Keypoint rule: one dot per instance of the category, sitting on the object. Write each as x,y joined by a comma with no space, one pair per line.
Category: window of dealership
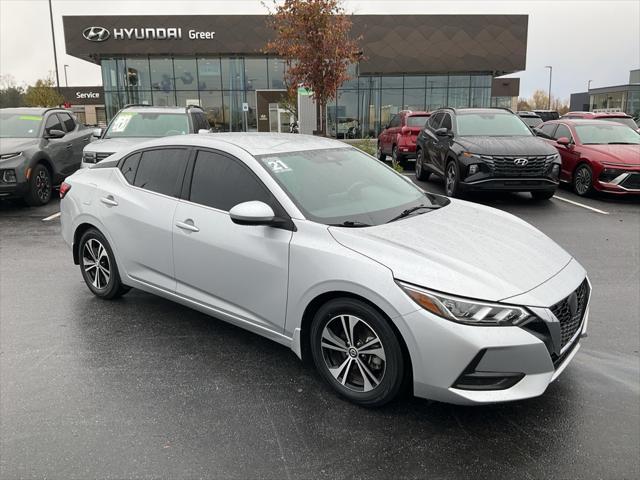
222,84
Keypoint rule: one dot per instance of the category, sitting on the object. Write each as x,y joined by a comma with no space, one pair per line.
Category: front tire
421,173
452,180
542,194
396,157
583,180
357,352
40,189
98,266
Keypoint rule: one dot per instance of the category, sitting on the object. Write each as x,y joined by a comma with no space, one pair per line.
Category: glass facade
220,85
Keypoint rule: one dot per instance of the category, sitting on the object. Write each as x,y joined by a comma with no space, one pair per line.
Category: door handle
108,200
188,225
69,146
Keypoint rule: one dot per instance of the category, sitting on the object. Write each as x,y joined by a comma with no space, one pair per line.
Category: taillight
405,130
64,188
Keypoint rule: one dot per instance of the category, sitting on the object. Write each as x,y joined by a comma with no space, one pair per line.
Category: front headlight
89,157
477,156
470,312
6,156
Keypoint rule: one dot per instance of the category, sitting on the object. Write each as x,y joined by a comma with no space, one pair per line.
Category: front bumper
627,183
20,187
444,353
510,184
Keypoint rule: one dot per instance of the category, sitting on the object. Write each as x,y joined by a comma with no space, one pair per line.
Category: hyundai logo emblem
521,162
96,34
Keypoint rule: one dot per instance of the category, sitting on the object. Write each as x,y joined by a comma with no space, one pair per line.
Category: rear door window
161,170
130,166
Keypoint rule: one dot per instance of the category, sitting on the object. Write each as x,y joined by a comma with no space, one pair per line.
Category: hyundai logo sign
96,34
521,162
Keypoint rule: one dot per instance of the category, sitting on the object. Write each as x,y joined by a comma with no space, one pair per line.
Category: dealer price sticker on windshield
276,165
120,123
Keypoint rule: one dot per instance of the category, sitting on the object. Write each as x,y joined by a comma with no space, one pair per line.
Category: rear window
417,120
532,121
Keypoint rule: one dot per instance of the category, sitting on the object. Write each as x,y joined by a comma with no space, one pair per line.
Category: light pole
550,73
55,54
66,80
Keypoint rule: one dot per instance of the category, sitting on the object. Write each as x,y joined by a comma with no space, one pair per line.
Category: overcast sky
582,39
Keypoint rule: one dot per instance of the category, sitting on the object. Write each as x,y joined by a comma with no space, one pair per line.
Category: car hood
522,146
620,154
463,249
14,145
113,145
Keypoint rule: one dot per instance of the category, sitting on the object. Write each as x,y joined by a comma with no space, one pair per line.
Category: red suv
619,117
398,138
596,155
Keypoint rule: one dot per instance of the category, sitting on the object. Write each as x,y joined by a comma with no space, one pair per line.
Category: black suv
39,147
486,149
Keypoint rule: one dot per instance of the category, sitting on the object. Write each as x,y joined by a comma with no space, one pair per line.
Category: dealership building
416,62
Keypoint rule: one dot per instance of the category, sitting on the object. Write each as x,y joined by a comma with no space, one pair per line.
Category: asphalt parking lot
145,388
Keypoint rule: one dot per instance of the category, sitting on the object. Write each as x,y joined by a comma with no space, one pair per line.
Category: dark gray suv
39,147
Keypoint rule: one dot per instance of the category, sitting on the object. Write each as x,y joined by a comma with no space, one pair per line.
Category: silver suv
137,123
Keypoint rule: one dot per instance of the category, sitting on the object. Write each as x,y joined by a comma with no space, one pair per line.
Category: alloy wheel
96,263
43,185
419,164
353,353
450,179
582,181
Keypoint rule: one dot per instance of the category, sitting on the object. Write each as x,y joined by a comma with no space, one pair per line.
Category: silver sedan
324,249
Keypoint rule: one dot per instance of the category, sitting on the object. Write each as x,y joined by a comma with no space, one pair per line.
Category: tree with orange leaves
313,37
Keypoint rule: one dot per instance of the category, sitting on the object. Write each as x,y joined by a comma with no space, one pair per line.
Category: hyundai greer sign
102,34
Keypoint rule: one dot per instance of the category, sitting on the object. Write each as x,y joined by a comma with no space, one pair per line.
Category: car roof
154,109
601,114
483,110
31,110
255,143
580,121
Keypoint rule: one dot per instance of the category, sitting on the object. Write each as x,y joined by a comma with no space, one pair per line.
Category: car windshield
491,124
606,133
345,186
19,125
628,121
417,120
142,124
532,121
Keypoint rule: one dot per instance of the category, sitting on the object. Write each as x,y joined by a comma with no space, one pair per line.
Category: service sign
83,95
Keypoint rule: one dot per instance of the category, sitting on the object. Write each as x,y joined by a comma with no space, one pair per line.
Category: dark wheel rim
96,264
419,164
583,180
353,353
379,150
450,181
43,185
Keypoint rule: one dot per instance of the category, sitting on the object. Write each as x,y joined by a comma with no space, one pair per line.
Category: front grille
507,167
570,312
632,181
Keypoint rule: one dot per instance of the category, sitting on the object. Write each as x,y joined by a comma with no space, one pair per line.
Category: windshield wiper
350,223
409,211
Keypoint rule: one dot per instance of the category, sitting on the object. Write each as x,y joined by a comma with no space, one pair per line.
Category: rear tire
40,189
98,266
357,352
421,173
396,157
583,180
381,156
542,194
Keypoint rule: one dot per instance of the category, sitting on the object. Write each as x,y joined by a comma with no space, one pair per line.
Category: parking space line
51,217
581,205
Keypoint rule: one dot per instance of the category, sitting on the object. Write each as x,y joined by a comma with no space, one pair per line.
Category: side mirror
563,141
443,132
54,133
97,132
204,130
252,213
385,127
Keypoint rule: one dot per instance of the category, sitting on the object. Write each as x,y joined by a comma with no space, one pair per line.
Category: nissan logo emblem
521,162
96,34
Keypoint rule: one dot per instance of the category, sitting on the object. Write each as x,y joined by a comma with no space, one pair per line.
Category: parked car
531,119
398,138
137,123
345,127
596,155
618,117
486,149
322,248
39,147
547,115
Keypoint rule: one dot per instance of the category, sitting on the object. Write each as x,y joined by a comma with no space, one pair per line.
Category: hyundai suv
137,123
398,138
486,149
39,147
